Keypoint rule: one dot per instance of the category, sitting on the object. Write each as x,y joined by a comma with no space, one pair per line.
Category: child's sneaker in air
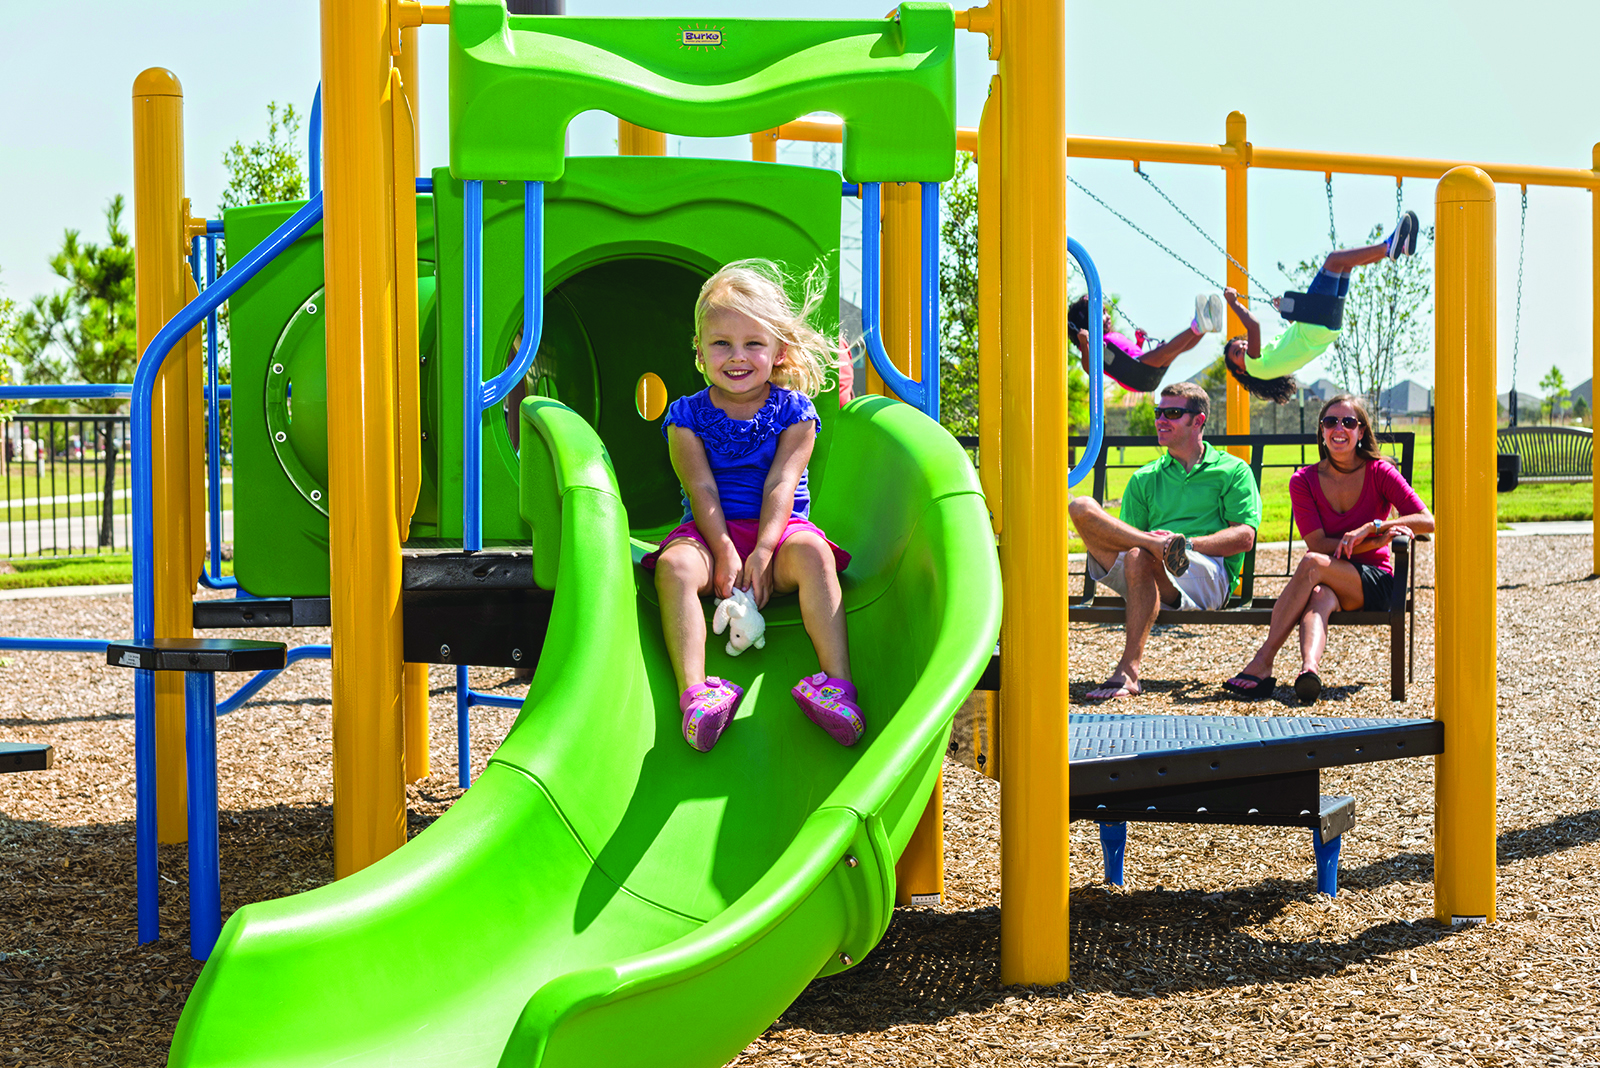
707,710
831,704
1210,313
1403,242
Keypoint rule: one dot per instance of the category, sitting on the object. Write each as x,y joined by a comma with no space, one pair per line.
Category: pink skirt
744,532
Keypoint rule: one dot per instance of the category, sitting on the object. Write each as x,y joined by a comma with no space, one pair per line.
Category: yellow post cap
1466,184
157,81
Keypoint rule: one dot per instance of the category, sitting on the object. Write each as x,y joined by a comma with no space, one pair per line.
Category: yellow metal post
1033,555
160,277
1464,450
1238,184
989,226
764,146
369,799
919,875
637,141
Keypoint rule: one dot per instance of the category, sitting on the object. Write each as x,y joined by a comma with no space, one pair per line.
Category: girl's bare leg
1164,353
1346,260
683,573
1314,627
805,563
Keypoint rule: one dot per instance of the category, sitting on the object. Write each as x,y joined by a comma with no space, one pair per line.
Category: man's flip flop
1262,687
1308,687
1176,554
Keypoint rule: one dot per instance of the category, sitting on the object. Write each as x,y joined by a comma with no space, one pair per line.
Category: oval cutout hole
650,396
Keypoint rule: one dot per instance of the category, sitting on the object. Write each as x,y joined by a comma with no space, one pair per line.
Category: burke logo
712,38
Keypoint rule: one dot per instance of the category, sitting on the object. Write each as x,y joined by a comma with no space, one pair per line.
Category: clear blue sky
1463,80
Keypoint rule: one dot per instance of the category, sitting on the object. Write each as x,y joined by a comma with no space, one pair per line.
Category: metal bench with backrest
1289,451
1550,453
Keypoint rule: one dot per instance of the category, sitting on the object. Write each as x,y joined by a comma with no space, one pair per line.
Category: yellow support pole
990,451
160,225
369,799
919,875
764,146
1238,186
407,163
637,141
1594,304
1464,450
1034,794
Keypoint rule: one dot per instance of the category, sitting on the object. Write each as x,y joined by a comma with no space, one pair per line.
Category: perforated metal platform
1116,753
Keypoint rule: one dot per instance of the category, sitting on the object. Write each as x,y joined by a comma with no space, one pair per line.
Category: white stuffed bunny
739,616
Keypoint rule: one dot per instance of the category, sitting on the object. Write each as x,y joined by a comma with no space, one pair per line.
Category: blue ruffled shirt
741,451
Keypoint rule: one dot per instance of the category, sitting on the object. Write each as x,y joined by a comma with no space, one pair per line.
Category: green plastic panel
628,242
516,81
278,362
605,895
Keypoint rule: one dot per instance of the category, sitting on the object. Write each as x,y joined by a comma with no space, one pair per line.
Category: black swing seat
1319,308
1130,373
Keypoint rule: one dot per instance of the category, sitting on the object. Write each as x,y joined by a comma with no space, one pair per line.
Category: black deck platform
19,756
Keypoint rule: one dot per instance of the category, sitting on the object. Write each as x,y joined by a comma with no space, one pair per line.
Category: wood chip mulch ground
1218,951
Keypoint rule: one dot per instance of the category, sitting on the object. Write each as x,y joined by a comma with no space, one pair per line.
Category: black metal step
263,612
21,756
197,654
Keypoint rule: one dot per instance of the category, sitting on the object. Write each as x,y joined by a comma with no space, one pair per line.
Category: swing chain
1333,235
1143,233
1254,281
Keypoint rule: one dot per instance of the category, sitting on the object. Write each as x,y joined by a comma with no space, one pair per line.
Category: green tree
1554,385
1142,417
267,171
958,311
1386,318
85,332
1580,409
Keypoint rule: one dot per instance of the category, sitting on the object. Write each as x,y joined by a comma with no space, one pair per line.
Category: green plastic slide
605,895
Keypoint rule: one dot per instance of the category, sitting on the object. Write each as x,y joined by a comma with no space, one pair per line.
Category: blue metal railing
144,382
314,145
212,577
466,699
261,678
477,395
923,395
1097,402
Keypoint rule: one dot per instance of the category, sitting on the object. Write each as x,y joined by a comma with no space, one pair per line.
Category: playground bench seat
1549,453
25,756
1245,608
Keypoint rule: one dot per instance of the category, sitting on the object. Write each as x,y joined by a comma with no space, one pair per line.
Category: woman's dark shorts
1376,587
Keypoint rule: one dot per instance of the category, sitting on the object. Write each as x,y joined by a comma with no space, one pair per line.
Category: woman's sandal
1308,687
1176,555
1262,687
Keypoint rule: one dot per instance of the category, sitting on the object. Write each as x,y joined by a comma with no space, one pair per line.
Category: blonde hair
760,289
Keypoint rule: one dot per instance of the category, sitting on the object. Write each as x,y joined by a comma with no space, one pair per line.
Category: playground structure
844,826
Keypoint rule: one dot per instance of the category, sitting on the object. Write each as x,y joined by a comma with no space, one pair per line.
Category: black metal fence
67,483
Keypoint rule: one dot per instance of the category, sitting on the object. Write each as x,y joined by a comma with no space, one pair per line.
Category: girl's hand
725,568
756,575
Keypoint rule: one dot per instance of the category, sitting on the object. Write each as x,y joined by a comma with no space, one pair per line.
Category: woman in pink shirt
1349,506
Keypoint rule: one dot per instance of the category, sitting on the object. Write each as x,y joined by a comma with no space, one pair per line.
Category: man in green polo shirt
1188,518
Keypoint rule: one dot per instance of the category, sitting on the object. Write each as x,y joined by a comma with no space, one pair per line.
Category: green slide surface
605,895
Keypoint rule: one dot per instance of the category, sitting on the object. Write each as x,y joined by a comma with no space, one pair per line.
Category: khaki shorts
1204,585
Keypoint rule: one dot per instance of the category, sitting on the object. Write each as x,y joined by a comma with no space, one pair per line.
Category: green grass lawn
1527,503
105,569
69,482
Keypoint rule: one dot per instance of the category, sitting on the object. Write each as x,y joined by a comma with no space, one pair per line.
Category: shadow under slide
604,894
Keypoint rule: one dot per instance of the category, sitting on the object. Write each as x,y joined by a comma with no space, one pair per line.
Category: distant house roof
1586,391
1323,388
1407,397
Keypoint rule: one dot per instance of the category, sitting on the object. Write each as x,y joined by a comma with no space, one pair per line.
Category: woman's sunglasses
1349,422
1173,414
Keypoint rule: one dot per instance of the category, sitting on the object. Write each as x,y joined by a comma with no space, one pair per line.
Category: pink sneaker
831,705
707,710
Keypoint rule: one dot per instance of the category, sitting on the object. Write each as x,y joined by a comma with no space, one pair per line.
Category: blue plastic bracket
1114,847
1327,854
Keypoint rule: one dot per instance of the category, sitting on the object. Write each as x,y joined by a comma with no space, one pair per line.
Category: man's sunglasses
1349,422
1172,415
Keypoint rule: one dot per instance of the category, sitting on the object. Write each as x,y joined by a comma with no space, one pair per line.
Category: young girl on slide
1125,360
1268,372
740,448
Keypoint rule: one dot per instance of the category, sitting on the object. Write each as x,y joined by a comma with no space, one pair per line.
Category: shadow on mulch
933,965
1208,694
